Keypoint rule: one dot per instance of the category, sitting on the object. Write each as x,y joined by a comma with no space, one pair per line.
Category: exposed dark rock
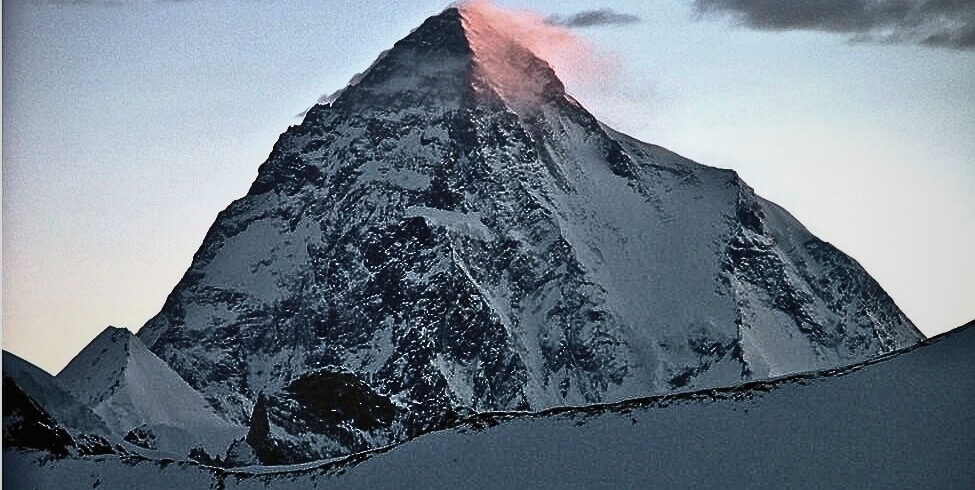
143,437
26,425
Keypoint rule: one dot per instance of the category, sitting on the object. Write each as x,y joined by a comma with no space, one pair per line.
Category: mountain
142,400
453,233
48,393
904,420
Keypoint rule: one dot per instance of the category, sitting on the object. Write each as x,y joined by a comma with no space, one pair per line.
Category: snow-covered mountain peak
503,59
92,374
137,394
426,245
466,55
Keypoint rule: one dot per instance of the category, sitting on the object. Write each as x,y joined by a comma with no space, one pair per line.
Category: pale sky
128,125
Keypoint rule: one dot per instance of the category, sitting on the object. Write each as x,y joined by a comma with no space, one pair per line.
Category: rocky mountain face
444,237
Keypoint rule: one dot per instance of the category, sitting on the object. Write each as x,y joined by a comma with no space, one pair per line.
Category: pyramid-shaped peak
422,238
466,54
112,334
93,373
128,386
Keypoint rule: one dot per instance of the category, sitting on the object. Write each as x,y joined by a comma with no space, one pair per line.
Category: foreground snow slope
904,421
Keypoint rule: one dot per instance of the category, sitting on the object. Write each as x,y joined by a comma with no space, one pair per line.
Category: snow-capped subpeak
130,388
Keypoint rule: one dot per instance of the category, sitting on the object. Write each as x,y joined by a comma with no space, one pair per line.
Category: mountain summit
453,60
453,233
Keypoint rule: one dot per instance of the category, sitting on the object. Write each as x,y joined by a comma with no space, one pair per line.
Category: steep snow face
52,397
130,388
901,421
427,239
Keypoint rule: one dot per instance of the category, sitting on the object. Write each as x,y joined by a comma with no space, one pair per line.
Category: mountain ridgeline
438,240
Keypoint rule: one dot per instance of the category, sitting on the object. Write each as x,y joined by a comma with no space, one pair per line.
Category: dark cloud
944,23
590,18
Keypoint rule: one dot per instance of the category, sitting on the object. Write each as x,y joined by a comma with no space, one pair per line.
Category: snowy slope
129,387
55,399
445,241
27,426
903,421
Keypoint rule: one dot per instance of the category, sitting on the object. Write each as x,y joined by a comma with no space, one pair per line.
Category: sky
129,124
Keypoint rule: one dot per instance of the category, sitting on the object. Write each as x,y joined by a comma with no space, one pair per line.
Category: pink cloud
499,34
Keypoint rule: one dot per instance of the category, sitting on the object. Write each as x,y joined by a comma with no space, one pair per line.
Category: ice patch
469,225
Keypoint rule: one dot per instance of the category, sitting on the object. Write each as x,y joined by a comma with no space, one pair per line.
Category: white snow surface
902,421
469,225
128,386
47,391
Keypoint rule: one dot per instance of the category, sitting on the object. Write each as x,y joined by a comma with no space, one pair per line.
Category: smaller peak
17,367
114,334
109,350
